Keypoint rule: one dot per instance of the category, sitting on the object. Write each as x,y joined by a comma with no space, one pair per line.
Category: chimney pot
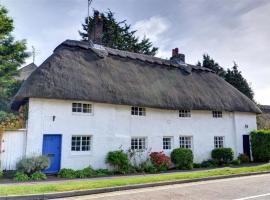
96,31
177,57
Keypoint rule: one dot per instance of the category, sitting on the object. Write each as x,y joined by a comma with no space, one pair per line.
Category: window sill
80,153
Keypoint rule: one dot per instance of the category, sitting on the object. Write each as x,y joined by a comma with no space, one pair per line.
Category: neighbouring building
263,119
86,100
25,72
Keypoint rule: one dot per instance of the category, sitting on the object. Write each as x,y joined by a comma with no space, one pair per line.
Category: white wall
12,148
112,126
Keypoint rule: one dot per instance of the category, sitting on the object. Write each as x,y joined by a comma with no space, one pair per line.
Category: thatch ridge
79,71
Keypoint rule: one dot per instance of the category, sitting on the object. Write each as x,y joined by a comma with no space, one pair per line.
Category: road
243,188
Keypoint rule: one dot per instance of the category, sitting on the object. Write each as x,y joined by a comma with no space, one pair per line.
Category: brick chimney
95,30
177,57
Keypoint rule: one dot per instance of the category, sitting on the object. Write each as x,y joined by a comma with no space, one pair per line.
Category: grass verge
41,188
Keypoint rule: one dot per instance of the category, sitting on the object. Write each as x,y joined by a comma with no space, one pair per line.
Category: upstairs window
167,143
138,143
140,111
81,143
185,142
81,108
219,142
217,114
184,113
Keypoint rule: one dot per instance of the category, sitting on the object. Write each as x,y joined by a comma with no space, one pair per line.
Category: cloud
153,27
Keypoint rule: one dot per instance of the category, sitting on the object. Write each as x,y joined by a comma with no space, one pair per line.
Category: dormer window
81,108
140,111
184,113
217,114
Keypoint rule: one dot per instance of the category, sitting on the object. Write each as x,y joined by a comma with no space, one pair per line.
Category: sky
228,30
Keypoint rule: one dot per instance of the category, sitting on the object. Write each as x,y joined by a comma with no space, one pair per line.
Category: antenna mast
33,53
88,12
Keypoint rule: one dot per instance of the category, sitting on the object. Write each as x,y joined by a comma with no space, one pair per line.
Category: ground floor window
81,143
185,142
138,143
219,141
167,143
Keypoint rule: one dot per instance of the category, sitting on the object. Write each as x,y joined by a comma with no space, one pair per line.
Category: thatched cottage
86,100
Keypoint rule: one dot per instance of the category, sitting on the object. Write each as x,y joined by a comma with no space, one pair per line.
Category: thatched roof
79,71
25,72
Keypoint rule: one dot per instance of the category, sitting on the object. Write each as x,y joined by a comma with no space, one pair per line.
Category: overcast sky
228,30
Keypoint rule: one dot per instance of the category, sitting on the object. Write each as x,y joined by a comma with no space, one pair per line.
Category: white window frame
217,114
170,146
81,145
184,143
81,108
184,113
218,140
138,111
136,146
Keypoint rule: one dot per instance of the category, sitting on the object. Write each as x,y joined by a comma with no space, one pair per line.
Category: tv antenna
88,10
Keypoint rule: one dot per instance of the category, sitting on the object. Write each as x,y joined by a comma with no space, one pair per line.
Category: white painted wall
112,126
12,148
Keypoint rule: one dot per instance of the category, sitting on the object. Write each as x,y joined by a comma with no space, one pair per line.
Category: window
138,143
140,111
184,113
81,143
81,108
217,114
167,143
219,142
185,142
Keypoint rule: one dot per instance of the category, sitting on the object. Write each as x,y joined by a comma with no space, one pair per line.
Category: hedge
260,144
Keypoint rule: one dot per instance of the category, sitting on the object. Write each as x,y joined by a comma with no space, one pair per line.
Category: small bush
103,172
182,158
209,163
67,173
236,162
222,155
119,160
243,158
160,161
33,164
197,165
38,176
147,166
85,173
20,176
1,174
260,143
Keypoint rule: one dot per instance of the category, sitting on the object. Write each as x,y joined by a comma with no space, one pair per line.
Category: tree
119,35
209,63
232,76
12,55
235,78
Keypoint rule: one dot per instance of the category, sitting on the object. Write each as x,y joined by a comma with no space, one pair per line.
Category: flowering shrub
160,160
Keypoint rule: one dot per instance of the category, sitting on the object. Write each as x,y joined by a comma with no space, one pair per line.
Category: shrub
160,160
119,160
33,164
182,158
209,163
236,162
38,176
1,174
222,155
197,165
103,172
20,176
147,166
260,143
85,173
67,173
243,158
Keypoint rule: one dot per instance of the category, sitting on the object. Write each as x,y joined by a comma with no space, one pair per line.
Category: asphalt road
243,188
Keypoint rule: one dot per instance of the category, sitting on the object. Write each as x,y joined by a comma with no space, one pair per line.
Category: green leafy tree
235,78
232,76
12,55
119,35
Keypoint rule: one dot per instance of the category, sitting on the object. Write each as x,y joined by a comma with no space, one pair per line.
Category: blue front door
52,149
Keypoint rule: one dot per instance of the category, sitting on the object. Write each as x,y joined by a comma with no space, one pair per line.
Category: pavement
255,187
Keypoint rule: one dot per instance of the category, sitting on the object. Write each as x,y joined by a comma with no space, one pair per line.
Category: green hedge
260,143
222,155
182,158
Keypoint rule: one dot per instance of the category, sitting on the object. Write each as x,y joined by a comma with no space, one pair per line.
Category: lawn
41,188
